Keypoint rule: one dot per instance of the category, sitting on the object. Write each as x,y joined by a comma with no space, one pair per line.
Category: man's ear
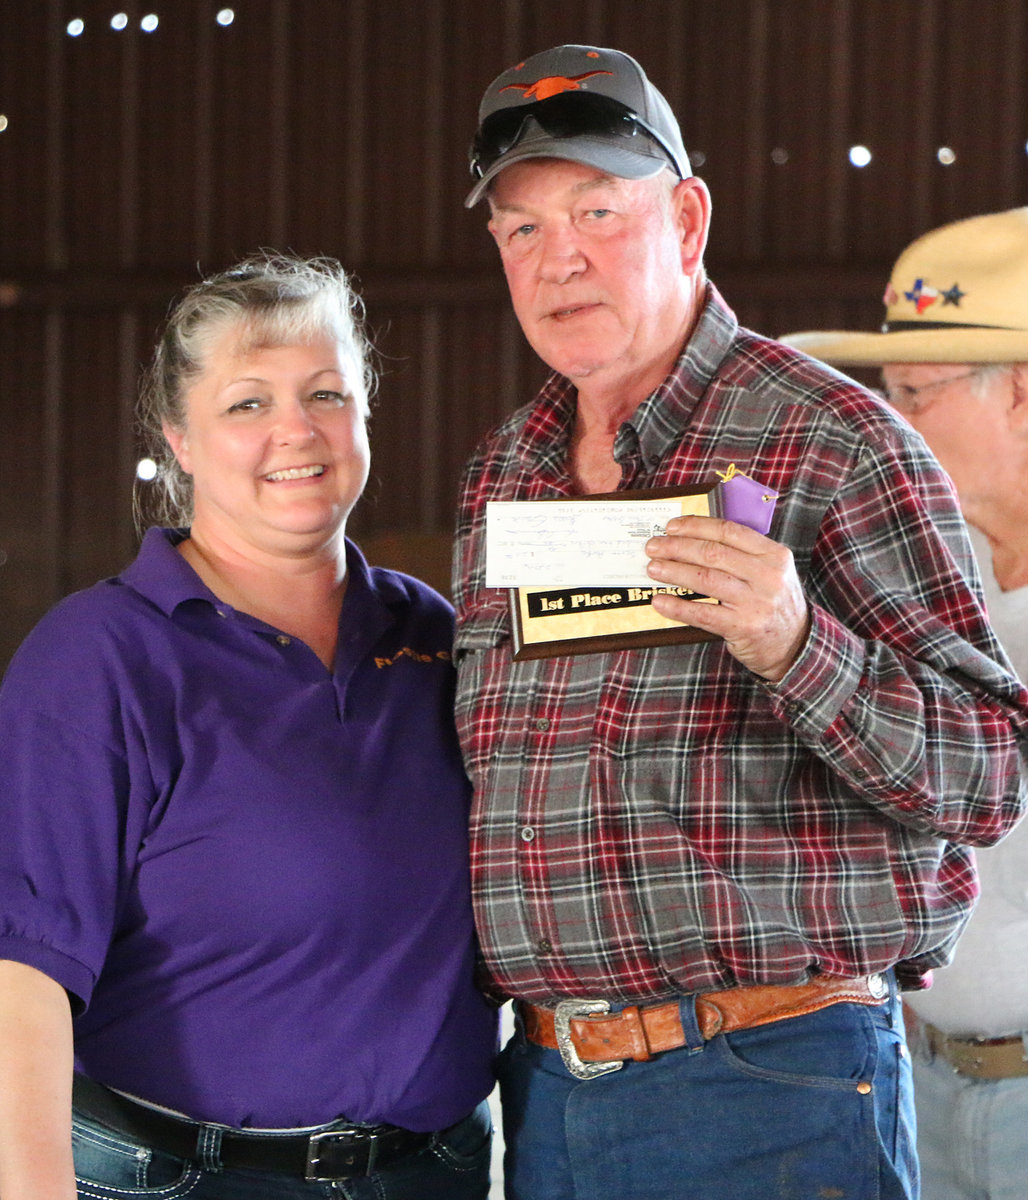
178,440
691,202
1017,413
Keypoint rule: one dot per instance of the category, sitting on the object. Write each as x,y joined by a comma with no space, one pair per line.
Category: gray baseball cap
584,103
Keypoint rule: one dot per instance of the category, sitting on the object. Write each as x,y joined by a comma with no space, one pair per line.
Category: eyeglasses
571,114
905,398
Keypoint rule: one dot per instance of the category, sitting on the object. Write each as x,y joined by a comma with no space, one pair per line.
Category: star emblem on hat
953,296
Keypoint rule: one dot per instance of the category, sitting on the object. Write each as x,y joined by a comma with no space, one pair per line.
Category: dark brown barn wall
133,160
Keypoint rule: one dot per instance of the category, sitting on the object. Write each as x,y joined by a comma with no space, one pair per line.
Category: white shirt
984,991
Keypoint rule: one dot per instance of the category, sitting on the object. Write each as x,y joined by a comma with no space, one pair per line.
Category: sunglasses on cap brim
569,115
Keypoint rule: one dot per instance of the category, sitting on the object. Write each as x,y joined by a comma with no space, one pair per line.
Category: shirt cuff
818,685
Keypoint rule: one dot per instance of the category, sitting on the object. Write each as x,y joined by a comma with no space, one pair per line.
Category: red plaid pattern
656,821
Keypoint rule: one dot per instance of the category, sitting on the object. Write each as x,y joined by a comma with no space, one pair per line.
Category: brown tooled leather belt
592,1040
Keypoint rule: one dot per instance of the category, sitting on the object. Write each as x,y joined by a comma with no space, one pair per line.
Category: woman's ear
178,440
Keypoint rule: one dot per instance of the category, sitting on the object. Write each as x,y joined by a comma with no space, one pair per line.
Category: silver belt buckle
359,1159
562,1017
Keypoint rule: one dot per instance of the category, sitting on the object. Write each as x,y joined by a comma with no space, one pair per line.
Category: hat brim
593,152
937,345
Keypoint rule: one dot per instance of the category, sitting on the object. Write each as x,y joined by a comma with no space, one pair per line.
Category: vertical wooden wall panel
1009,164
29,94
30,481
94,179
196,104
95,490
166,207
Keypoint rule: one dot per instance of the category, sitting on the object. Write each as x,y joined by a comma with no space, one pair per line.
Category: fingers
762,612
717,558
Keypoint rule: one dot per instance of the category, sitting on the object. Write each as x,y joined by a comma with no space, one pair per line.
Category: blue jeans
809,1108
110,1166
971,1133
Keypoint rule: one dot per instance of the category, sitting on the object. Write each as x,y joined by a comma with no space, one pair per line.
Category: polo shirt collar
161,575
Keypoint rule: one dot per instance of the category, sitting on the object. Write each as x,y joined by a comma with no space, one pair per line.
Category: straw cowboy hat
958,294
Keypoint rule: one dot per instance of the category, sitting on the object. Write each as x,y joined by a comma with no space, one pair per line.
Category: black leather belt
330,1152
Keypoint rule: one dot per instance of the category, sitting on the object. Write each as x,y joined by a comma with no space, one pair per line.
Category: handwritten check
556,543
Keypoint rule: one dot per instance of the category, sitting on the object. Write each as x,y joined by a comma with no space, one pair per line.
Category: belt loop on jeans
694,1039
208,1148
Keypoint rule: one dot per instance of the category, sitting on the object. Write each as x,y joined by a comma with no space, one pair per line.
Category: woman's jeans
109,1166
816,1107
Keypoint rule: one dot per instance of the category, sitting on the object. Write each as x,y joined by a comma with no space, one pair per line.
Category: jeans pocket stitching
838,1083
105,1140
181,1187
461,1162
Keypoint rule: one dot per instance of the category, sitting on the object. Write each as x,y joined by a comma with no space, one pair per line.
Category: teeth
295,473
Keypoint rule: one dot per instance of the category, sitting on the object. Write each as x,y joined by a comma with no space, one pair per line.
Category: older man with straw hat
954,357
953,352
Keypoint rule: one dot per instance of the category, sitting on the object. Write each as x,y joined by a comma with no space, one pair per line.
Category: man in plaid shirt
702,870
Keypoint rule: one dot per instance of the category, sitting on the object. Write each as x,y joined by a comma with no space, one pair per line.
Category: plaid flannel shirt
654,821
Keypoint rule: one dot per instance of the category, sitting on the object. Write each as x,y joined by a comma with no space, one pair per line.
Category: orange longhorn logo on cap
551,85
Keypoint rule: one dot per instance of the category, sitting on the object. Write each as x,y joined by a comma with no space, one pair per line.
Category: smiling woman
263,303
250,731
256,407
274,440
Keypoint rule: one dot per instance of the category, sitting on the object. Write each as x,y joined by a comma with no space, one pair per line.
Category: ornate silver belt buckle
877,986
562,1017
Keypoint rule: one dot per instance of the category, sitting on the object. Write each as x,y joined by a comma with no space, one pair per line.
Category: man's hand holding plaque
761,611
620,570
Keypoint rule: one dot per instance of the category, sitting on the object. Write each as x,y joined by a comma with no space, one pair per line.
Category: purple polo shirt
249,873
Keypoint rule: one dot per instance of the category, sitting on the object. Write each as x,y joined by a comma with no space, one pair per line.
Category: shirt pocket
482,656
486,626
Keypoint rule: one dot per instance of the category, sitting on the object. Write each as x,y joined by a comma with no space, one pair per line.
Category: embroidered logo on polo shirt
413,655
